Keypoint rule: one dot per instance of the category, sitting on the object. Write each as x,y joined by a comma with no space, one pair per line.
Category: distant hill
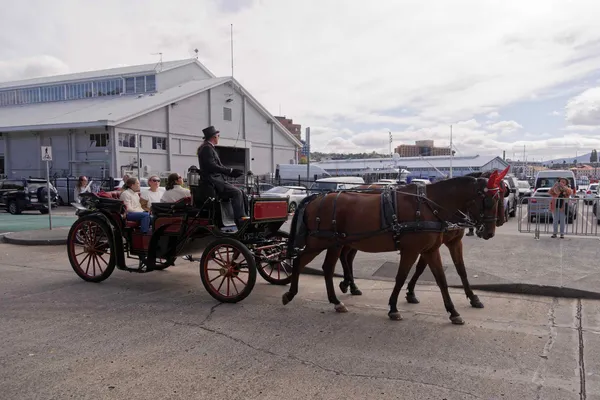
584,158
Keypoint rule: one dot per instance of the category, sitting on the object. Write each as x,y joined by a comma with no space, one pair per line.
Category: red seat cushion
133,224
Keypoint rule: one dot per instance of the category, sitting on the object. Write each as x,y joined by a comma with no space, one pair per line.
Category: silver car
295,194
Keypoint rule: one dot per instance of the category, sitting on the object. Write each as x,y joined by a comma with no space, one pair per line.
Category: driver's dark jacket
211,168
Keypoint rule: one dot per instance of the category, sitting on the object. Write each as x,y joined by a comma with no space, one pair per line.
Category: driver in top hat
212,170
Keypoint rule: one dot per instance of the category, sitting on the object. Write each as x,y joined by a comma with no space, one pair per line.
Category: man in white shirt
174,190
131,199
153,195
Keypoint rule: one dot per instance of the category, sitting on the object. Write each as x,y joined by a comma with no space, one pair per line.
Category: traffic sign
46,153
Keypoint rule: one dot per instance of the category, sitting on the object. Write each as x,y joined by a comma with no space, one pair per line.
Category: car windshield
593,187
524,185
549,182
324,186
278,189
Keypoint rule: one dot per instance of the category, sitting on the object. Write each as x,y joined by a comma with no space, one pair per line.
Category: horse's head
487,206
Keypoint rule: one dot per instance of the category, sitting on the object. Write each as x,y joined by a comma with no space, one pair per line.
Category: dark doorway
1,165
232,157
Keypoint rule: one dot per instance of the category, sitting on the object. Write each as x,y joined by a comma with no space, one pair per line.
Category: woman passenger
135,212
174,192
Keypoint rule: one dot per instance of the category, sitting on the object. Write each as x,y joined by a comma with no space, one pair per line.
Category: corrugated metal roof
108,110
408,162
104,73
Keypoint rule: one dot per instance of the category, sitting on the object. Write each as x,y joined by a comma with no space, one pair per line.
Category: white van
336,183
547,179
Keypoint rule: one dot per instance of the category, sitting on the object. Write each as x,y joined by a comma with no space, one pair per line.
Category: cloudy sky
503,73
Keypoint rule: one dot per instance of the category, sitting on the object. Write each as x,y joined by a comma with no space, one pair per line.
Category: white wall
218,97
177,76
258,130
156,121
190,116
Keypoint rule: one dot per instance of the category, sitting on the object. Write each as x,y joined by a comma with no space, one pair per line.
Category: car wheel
13,208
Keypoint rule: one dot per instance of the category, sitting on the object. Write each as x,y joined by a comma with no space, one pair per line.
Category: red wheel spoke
215,278
78,254
223,280
228,281
235,287
238,278
88,266
220,261
84,258
103,260
96,257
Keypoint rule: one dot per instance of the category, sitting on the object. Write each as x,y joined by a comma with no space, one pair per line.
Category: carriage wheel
272,264
91,249
228,270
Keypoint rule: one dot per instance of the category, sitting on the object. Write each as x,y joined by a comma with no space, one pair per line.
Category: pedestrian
80,187
560,193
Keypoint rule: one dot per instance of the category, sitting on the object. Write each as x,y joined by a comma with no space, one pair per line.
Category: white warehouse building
93,121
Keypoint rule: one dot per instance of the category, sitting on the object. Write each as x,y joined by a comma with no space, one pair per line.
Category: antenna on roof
231,34
196,51
160,62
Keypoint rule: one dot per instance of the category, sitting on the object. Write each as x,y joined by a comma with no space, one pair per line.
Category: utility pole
307,155
390,143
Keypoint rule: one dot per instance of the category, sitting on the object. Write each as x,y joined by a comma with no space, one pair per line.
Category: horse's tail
298,230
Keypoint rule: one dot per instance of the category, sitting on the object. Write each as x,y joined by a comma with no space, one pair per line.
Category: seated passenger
135,212
153,195
174,192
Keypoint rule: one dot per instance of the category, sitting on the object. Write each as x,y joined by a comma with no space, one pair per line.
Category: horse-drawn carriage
102,239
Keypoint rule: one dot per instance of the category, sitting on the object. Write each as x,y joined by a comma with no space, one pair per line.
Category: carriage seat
169,208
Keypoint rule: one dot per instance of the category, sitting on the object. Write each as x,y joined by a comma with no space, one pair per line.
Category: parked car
538,207
295,193
591,193
17,195
524,189
336,183
513,196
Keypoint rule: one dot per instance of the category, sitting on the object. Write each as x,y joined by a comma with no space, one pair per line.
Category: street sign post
47,156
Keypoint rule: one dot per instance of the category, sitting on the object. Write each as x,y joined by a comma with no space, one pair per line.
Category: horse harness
389,219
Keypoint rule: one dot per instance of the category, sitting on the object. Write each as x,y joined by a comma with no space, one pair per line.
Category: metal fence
581,216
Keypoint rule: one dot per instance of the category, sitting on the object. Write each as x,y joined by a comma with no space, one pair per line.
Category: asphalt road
160,336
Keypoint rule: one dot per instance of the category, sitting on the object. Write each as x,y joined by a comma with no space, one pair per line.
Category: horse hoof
411,298
395,316
285,299
356,292
343,287
476,303
457,320
341,308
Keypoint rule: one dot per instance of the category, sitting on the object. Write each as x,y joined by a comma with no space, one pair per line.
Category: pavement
511,262
161,336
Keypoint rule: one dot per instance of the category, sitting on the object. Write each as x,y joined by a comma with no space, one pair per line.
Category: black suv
18,195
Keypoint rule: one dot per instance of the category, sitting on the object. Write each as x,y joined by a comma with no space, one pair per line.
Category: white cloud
555,113
31,67
325,64
505,127
584,109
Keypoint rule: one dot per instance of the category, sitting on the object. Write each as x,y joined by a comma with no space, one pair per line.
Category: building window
159,143
99,139
150,83
127,140
227,114
129,85
140,84
53,93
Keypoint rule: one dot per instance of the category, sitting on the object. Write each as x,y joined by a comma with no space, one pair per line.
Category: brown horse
452,240
410,219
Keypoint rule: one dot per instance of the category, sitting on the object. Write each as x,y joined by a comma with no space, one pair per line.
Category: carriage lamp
193,177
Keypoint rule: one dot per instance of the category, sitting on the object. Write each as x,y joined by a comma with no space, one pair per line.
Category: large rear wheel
91,249
272,261
228,270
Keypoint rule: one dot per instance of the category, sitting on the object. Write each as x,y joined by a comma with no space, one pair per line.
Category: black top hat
209,132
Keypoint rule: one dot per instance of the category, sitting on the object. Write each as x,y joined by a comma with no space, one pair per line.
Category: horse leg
456,252
410,290
346,265
347,260
407,259
434,259
333,254
297,265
